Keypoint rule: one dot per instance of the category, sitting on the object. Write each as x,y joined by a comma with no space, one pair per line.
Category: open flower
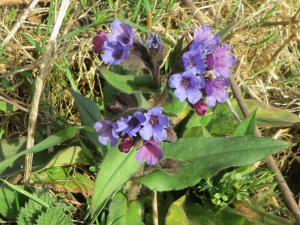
131,125
122,33
154,41
210,41
220,62
200,108
114,53
155,125
98,41
216,91
194,58
149,151
107,132
187,85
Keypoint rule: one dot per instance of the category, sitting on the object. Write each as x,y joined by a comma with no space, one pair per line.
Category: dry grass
277,86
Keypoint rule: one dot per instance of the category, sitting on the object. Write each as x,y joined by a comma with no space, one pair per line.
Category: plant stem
136,184
154,208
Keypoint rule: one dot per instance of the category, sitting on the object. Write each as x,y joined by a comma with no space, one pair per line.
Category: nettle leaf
125,212
59,178
247,127
130,83
89,115
116,169
49,142
54,216
204,157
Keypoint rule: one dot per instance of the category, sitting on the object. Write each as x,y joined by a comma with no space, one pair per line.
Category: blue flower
114,53
210,41
194,58
122,33
107,132
155,125
216,91
149,151
187,85
131,125
154,41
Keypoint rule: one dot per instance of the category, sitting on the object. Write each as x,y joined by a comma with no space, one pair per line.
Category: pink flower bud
200,108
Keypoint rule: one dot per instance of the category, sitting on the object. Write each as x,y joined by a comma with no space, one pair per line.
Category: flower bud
125,145
200,108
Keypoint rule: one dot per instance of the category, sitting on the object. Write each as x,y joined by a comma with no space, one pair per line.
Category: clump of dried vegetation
261,28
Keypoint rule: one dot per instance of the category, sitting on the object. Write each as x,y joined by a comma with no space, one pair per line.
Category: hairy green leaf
115,170
130,83
247,127
204,157
54,216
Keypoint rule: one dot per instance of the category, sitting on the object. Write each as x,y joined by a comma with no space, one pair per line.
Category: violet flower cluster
205,53
150,126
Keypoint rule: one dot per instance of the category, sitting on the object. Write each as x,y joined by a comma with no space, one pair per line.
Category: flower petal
174,81
146,132
159,134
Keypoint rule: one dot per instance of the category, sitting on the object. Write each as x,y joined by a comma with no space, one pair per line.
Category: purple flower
194,58
216,91
154,125
122,33
154,41
200,108
210,41
125,145
149,151
187,86
98,41
107,132
131,125
114,53
220,62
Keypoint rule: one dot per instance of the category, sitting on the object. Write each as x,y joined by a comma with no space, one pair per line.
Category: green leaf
89,115
115,170
204,157
29,195
54,216
31,41
196,132
70,156
59,178
49,142
32,209
225,31
255,213
127,213
183,211
129,84
176,52
247,127
8,206
223,122
142,102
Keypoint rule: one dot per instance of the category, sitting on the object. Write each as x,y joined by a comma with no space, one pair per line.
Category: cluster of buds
194,80
201,70
150,126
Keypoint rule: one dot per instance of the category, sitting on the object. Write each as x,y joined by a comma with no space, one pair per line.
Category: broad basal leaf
59,178
115,170
204,157
49,142
130,83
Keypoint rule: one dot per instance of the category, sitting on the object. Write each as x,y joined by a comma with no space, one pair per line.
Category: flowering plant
160,116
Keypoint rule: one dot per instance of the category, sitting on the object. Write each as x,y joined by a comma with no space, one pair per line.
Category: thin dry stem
44,71
197,15
154,208
19,23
